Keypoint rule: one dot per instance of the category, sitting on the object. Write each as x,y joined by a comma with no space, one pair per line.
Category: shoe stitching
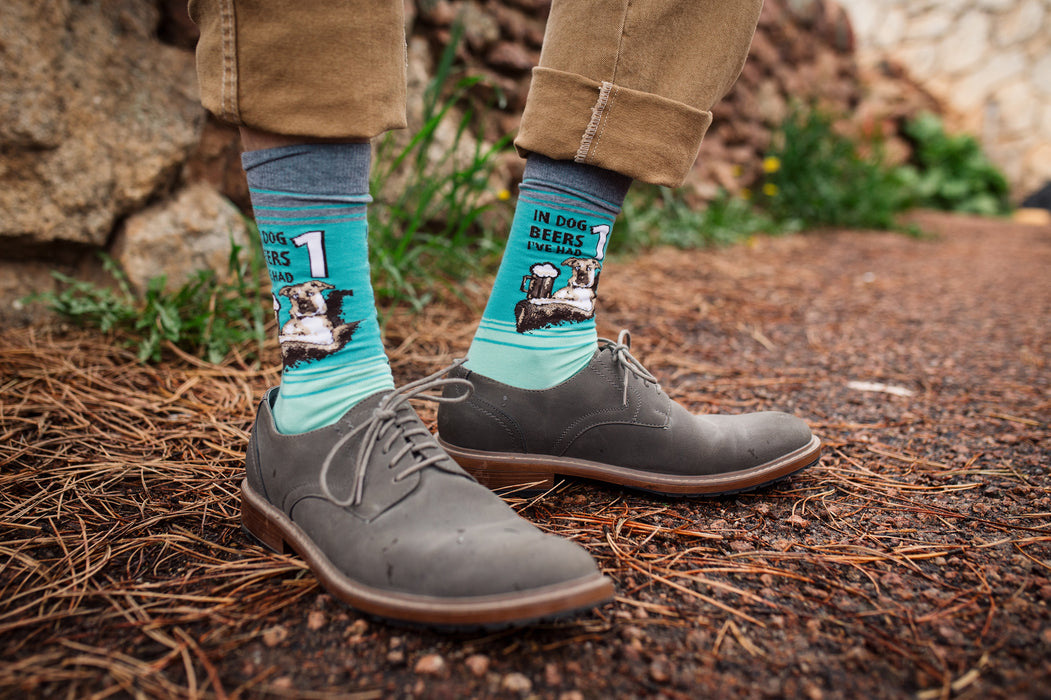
394,413
228,100
622,358
591,130
503,420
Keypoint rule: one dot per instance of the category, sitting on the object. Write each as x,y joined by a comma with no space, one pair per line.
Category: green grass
207,317
817,178
951,172
430,233
654,216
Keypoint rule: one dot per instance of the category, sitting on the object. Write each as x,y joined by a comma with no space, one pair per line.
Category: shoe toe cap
499,561
459,553
755,439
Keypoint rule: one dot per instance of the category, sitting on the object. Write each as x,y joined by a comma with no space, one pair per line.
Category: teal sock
538,328
310,205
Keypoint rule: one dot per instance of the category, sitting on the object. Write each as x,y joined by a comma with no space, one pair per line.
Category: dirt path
914,561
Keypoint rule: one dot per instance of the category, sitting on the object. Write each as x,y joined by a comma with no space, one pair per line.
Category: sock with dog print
537,329
309,203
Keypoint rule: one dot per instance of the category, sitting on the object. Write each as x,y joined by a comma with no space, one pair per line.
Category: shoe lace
390,413
621,349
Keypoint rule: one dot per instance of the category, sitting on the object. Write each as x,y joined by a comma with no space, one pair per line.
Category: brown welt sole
275,530
498,470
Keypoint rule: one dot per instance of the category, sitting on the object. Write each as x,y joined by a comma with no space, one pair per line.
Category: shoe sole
270,526
537,473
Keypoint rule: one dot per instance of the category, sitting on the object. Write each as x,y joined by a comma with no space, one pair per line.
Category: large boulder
176,238
96,118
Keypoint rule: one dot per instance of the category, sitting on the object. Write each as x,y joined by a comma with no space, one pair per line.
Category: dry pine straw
886,570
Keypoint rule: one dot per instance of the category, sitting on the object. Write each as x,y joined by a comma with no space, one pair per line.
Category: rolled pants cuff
306,68
644,136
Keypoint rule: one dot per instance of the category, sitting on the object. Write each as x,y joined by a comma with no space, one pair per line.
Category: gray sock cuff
310,168
606,185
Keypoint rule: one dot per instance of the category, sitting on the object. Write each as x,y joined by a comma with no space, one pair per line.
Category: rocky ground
913,561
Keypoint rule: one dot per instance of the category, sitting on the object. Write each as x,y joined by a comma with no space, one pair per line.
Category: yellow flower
770,189
746,193
771,164
503,195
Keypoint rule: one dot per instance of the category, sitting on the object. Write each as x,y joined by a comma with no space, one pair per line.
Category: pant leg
311,68
628,85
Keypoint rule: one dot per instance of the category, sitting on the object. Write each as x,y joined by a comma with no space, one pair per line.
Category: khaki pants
626,85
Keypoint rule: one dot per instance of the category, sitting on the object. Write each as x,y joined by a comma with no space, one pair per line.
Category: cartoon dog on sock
570,304
583,284
316,328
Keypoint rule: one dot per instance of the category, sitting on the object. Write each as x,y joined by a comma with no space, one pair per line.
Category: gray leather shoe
612,422
396,529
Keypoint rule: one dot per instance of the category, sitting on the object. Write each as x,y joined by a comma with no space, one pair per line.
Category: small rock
479,27
358,628
315,620
950,634
571,695
632,632
516,683
275,635
396,657
659,670
478,664
440,13
741,546
282,683
932,594
180,237
512,56
697,639
430,665
552,676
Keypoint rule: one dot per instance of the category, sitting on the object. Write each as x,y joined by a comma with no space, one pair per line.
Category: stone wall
803,52
99,122
989,59
104,147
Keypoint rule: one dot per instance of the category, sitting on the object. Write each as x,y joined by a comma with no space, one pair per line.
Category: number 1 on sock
603,233
315,243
